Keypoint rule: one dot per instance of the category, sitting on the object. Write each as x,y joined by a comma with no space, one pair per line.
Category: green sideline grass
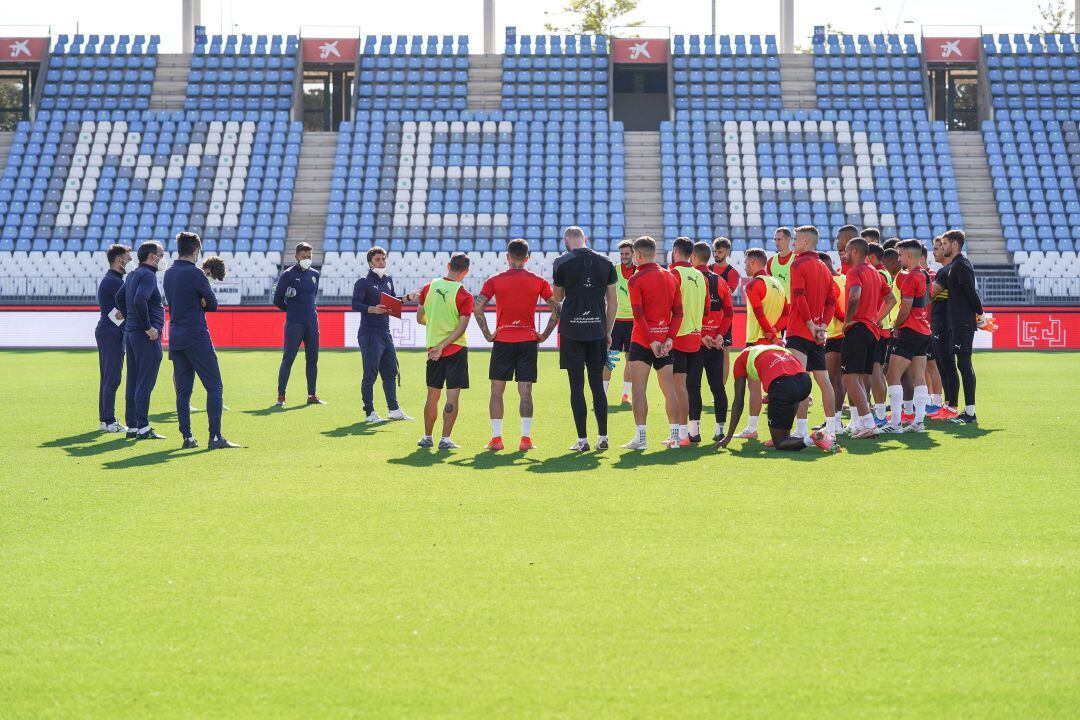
334,570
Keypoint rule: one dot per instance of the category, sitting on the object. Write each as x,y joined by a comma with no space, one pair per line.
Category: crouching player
781,376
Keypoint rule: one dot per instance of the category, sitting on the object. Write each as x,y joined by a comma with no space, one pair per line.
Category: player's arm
853,298
936,291
966,280
143,290
120,301
421,317
755,295
736,410
481,303
465,309
905,310
829,311
207,297
886,307
279,290
553,318
612,299
800,307
838,313
727,313
675,324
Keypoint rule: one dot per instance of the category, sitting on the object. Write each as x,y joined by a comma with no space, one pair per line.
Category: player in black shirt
584,282
964,309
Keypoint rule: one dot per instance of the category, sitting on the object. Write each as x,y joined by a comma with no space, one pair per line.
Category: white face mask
379,271
305,263
131,265
162,264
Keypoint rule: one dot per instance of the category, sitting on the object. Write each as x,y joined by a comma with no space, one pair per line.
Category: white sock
674,431
751,423
598,438
606,383
935,399
808,441
719,432
581,440
526,427
909,406
427,437
921,398
855,421
496,427
838,420
684,432
831,423
969,409
694,427
801,427
445,438
879,411
641,433
626,388
896,400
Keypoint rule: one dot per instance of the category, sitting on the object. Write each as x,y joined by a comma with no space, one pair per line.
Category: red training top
727,273
782,261
755,295
770,365
464,301
811,294
872,286
913,285
717,320
657,303
516,292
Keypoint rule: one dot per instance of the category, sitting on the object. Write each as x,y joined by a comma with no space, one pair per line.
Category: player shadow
754,450
274,410
152,458
422,458
964,431
495,461
162,417
569,463
355,430
70,440
633,459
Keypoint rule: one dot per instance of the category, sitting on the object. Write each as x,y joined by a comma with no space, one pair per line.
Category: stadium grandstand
424,146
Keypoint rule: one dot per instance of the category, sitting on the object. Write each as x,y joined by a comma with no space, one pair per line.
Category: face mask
379,271
162,264
305,263
130,266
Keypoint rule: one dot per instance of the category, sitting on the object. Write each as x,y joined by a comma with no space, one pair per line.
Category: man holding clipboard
374,296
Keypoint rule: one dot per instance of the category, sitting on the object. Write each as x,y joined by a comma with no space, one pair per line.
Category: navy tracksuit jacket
295,293
110,345
140,302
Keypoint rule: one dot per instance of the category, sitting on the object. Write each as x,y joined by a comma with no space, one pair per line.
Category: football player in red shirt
515,342
710,359
911,339
843,236
812,309
657,303
865,288
933,377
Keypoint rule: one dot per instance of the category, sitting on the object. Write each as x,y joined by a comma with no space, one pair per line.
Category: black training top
584,276
964,302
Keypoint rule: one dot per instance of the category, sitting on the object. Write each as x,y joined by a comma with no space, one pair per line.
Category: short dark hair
871,235
847,229
116,251
876,250
148,248
188,243
372,252
214,267
891,254
923,248
721,242
890,243
859,245
684,245
910,244
645,244
825,258
808,229
459,262
758,254
300,247
517,249
955,235
783,230
628,243
702,252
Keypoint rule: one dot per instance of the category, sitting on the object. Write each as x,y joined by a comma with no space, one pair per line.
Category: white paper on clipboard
116,317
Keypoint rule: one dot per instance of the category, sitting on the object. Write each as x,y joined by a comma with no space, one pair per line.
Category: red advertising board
330,51
951,50
23,49
43,326
639,50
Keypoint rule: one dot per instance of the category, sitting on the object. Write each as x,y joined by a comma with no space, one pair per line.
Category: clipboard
392,304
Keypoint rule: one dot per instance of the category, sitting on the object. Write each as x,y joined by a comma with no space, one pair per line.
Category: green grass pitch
334,570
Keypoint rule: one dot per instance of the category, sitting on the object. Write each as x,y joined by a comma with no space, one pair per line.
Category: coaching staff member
191,350
139,301
110,338
295,293
373,337
585,285
964,310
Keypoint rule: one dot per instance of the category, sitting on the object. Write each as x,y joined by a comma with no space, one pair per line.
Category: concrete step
644,214
170,82
975,190
6,140
307,222
485,82
797,82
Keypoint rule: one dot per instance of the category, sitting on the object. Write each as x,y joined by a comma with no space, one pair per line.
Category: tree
1056,17
594,17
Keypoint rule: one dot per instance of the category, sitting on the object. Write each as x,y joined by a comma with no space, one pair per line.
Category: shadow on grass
568,463
84,445
488,460
422,457
355,430
164,417
632,459
152,458
274,410
962,431
70,440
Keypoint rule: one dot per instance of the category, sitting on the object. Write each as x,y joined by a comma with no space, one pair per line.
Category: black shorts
857,353
881,350
576,354
785,394
963,339
834,345
680,360
645,355
815,354
909,344
513,361
449,371
620,335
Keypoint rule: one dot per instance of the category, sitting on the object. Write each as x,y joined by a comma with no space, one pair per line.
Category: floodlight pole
489,27
787,26
191,16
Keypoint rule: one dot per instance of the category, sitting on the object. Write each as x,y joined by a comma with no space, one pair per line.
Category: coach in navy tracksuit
191,350
110,338
144,318
376,343
295,294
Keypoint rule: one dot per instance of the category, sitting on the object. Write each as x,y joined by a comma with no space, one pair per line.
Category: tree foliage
1056,17
594,17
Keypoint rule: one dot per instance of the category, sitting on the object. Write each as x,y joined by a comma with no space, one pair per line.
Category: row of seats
1050,274
1031,43
236,73
89,46
539,76
882,76
865,44
557,45
380,46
